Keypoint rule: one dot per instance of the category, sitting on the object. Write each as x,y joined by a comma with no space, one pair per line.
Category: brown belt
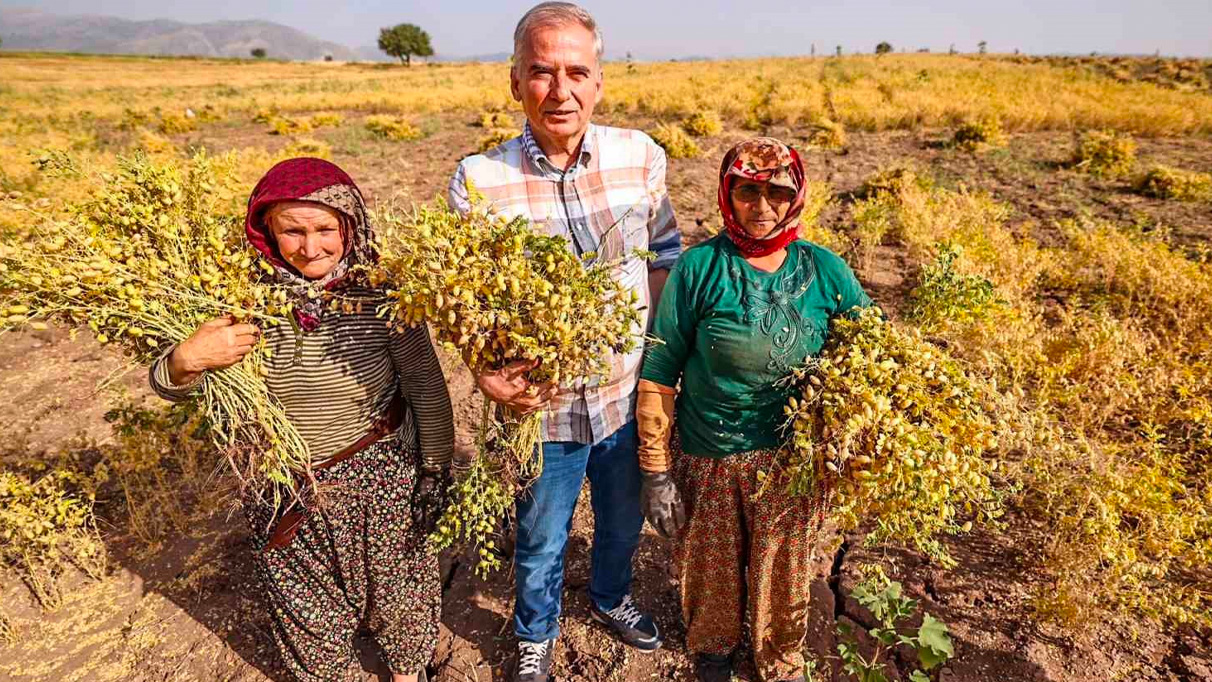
286,527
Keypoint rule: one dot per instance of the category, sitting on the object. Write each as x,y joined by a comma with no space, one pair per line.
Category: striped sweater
338,380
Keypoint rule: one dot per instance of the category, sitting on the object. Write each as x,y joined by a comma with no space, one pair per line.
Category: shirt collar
535,152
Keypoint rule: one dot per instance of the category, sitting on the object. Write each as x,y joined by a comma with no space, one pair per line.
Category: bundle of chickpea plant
155,251
495,291
892,432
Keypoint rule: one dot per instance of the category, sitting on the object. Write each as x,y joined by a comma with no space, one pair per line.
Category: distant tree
328,58
883,48
814,49
982,47
404,41
839,50
258,52
952,50
923,50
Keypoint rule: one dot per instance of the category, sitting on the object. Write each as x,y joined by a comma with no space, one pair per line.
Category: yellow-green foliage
817,196
46,523
919,215
1027,96
1164,182
980,134
392,128
133,119
209,114
497,136
495,119
284,125
822,236
945,294
153,253
266,115
703,124
8,633
164,464
326,119
872,220
173,123
894,179
1108,396
306,146
156,144
895,432
827,134
495,291
1186,74
676,143
1105,154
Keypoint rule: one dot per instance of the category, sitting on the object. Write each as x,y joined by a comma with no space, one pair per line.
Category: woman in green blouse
738,313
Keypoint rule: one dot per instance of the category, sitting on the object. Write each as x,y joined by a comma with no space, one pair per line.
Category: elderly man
604,189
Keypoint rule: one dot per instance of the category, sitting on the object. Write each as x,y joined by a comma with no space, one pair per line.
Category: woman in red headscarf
373,408
738,313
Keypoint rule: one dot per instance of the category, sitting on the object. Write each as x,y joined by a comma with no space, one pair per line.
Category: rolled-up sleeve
664,239
424,386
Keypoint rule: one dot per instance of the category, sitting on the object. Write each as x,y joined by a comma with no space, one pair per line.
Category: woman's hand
509,387
216,344
430,498
662,503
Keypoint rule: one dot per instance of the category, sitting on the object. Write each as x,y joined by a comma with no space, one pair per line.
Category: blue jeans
545,518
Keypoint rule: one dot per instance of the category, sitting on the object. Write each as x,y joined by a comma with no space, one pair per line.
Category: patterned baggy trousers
357,565
745,559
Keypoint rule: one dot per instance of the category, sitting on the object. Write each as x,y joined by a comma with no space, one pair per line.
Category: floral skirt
745,558
356,566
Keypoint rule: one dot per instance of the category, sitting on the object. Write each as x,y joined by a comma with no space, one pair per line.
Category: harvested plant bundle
495,291
142,263
1105,154
894,432
1164,182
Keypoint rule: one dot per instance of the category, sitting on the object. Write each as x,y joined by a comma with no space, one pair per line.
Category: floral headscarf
322,182
762,159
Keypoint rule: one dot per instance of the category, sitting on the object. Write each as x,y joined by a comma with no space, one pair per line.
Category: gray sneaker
634,627
534,661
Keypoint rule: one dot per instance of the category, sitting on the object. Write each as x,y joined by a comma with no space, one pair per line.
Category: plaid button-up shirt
612,201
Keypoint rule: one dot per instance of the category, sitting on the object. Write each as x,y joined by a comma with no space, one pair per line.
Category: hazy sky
663,29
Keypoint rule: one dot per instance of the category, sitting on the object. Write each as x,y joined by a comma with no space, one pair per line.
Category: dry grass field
1071,193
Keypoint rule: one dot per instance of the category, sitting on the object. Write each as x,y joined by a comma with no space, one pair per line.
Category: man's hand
216,344
509,387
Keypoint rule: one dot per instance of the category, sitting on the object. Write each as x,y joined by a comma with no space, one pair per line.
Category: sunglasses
775,194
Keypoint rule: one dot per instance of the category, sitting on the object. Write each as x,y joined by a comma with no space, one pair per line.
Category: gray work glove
662,503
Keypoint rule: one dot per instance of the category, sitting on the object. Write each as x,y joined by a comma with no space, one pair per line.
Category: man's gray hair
548,14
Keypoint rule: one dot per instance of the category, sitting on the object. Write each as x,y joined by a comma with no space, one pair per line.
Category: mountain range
35,30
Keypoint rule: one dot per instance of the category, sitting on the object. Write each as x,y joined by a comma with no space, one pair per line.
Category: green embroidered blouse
731,332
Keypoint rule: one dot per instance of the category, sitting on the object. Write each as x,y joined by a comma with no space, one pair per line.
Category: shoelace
626,612
530,657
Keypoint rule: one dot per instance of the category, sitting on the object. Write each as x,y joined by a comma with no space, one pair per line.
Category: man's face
558,81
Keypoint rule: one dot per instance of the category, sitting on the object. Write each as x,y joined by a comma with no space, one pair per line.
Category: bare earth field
187,608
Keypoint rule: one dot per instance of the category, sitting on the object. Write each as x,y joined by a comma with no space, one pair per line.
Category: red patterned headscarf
321,182
762,159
